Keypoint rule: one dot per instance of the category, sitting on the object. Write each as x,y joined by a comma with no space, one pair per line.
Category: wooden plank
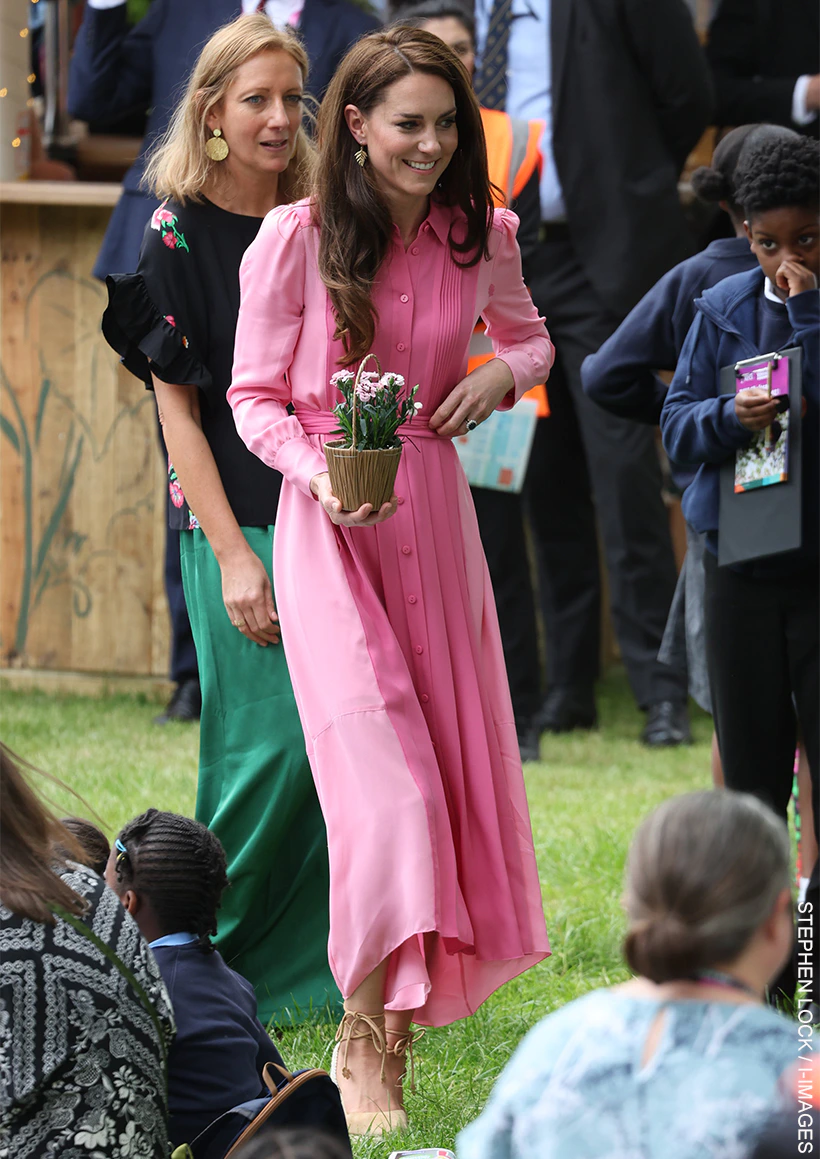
103,194
82,517
84,683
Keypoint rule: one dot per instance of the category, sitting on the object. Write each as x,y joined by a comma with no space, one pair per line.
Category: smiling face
410,136
260,115
791,233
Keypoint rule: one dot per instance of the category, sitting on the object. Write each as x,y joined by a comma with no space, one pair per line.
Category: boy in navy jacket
761,617
622,377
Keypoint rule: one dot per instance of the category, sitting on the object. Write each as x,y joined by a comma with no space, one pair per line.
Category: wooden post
15,116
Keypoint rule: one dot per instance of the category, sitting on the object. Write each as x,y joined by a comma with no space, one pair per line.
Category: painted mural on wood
82,529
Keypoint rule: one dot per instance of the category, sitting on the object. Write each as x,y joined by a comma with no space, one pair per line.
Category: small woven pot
359,477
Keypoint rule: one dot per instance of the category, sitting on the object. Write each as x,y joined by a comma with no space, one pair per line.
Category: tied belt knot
324,422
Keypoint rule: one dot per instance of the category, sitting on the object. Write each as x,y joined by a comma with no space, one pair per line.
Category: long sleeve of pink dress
391,632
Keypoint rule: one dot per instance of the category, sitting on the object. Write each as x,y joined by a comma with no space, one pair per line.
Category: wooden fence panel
82,508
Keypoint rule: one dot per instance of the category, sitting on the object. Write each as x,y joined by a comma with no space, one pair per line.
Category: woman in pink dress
387,616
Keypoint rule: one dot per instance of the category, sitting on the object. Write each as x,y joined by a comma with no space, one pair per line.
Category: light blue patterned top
575,1087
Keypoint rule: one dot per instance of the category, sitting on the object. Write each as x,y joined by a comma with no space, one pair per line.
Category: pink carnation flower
161,215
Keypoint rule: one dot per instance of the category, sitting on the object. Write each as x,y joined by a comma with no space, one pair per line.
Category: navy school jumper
220,1048
621,376
699,425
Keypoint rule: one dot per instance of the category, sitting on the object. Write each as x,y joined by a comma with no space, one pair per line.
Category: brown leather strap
277,1098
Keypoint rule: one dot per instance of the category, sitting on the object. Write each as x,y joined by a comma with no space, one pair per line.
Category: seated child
685,1061
762,631
91,840
169,873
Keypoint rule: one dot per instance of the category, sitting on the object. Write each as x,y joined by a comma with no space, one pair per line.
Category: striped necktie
491,82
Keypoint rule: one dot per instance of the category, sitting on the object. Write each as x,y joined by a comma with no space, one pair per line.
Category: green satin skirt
256,793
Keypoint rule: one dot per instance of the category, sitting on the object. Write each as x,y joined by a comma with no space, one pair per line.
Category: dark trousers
586,462
501,523
762,651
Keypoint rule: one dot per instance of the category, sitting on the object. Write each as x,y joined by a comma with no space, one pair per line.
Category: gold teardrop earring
361,155
217,147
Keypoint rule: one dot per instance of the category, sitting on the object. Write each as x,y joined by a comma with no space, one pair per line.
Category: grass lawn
586,796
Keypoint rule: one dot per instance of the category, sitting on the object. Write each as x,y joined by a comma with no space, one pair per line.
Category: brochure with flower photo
765,460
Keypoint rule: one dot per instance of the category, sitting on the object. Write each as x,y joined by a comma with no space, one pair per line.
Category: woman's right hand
364,517
248,598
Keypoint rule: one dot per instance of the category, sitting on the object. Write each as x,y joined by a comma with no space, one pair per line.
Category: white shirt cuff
800,114
100,4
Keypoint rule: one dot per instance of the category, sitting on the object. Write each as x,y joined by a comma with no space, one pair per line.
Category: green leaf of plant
10,433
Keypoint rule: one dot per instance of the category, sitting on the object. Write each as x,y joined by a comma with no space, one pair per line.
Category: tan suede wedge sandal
356,1024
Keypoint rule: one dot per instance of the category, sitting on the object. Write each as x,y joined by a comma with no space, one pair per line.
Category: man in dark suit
624,91
765,61
116,70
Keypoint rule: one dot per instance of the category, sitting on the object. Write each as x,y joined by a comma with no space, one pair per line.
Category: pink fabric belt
324,422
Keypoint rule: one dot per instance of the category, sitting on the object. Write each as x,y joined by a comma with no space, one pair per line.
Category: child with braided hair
169,873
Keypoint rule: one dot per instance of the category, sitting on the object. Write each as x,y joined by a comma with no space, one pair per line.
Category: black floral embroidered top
176,316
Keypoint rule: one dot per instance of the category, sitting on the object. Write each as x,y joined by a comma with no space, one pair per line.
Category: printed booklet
766,459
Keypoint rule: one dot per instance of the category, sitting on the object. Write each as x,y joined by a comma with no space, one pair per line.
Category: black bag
307,1098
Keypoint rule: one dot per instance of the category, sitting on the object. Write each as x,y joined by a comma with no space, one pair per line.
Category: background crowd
590,112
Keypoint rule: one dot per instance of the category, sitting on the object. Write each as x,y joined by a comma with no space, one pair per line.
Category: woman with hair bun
684,1061
388,616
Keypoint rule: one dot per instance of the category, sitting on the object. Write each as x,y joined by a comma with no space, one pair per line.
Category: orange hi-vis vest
513,155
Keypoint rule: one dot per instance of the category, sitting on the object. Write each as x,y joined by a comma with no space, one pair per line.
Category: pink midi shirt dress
391,632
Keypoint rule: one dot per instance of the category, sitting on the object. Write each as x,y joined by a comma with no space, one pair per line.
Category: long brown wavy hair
353,216
34,846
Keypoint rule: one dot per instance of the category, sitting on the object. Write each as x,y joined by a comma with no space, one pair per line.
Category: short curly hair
179,865
778,173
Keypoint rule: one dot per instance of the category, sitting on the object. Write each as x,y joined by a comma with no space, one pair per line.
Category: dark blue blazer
116,70
220,1048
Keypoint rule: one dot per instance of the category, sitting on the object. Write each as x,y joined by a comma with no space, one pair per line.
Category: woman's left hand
475,398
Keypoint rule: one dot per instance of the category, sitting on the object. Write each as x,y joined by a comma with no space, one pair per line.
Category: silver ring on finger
471,425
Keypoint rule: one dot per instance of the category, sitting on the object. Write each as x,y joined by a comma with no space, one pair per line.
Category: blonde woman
234,150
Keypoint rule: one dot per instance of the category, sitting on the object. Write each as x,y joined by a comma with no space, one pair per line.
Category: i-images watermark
806,1072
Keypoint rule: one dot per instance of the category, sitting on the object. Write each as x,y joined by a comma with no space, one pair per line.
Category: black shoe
667,723
185,704
528,741
567,708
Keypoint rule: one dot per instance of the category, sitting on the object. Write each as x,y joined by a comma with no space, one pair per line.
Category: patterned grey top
576,1085
80,1069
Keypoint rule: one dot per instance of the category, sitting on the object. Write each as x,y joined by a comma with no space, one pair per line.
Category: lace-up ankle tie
372,1028
403,1047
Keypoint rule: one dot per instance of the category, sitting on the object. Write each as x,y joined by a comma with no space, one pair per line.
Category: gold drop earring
361,155
217,147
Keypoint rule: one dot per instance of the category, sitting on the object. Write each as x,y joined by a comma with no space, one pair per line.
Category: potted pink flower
363,461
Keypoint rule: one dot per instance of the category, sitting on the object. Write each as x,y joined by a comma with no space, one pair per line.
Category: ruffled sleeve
515,327
146,340
272,285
